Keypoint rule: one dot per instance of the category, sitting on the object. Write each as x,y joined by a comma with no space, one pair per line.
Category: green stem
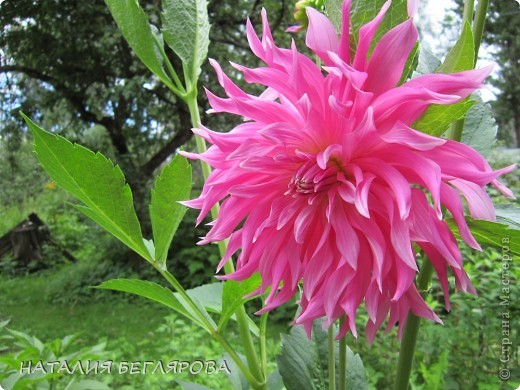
478,24
411,330
342,358
455,131
241,315
178,89
469,5
332,359
211,329
263,342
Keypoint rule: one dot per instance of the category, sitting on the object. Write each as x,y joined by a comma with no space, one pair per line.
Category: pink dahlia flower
326,184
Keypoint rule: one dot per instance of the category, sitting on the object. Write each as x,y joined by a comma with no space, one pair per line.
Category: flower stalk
332,359
409,341
342,385
241,315
411,330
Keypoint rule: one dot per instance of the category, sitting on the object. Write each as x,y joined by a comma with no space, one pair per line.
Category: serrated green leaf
171,186
303,363
135,28
233,297
363,11
462,55
95,181
437,118
333,12
152,291
186,31
480,128
494,234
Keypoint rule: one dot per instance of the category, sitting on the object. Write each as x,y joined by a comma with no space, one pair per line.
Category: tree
501,37
502,33
65,64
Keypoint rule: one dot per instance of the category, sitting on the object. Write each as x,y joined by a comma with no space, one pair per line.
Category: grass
23,304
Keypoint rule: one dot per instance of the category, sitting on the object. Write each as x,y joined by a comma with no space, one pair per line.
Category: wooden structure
25,240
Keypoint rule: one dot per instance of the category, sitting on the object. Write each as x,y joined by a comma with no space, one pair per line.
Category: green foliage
437,118
303,362
70,283
462,55
480,128
233,297
186,32
492,233
333,12
133,24
154,292
21,348
364,11
93,180
171,186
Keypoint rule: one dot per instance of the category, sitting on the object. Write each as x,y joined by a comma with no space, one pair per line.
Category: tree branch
182,135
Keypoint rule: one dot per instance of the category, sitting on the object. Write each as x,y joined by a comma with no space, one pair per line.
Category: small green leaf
186,31
133,24
95,181
410,65
480,128
233,297
303,363
495,234
152,291
462,55
171,186
437,118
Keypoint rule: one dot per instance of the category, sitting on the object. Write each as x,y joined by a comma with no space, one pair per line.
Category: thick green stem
411,330
478,24
263,342
332,359
342,358
241,315
469,5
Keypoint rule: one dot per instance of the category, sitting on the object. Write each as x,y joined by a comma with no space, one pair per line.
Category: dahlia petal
321,34
479,203
412,7
344,43
404,135
326,186
366,34
386,65
347,239
451,200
